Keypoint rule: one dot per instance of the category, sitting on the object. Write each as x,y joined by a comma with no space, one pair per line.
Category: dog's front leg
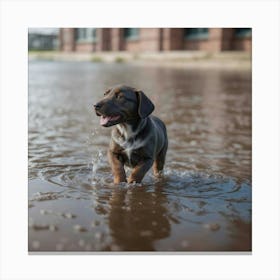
117,168
139,171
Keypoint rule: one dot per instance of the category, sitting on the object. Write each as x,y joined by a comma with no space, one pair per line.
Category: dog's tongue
104,120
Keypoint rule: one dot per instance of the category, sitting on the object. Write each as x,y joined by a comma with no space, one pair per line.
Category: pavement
177,59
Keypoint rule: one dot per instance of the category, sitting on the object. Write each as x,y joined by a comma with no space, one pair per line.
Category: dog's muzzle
106,120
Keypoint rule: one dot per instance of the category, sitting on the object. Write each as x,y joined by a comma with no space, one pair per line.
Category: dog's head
121,104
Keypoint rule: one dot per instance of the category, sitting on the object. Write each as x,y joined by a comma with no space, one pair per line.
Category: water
203,203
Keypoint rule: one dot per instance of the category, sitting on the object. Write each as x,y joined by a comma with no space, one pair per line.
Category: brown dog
138,140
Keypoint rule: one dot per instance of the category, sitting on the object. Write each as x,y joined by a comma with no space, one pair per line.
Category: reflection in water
203,203
137,218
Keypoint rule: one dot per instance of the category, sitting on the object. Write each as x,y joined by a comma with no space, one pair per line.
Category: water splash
96,163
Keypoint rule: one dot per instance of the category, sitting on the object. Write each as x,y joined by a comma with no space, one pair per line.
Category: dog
138,140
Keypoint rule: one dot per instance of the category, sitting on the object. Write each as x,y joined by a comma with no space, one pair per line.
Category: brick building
154,39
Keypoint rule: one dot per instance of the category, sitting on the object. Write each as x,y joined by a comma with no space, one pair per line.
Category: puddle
203,202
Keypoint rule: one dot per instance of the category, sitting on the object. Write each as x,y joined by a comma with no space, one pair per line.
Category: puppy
138,139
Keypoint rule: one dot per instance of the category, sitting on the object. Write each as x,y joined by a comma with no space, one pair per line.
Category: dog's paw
118,180
158,174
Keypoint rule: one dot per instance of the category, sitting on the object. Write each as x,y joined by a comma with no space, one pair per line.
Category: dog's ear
145,105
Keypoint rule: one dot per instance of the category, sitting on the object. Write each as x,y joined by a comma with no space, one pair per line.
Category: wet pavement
203,203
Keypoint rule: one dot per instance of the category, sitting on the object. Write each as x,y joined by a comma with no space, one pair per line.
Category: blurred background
200,82
132,44
140,39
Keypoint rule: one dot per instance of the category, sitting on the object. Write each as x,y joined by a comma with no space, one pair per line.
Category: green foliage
96,59
119,59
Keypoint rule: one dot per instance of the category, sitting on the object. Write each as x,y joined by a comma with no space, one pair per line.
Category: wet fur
139,140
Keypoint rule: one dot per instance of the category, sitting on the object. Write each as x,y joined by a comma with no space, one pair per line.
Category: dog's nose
97,106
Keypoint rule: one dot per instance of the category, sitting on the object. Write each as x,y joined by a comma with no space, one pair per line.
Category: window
86,34
131,33
196,33
243,32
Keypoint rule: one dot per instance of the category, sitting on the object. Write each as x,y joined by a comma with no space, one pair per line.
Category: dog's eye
119,96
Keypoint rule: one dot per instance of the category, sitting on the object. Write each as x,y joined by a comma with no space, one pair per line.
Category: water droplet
212,226
82,243
69,216
59,246
88,247
185,244
79,228
43,212
35,244
53,228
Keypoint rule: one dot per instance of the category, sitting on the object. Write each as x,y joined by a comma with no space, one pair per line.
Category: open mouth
106,120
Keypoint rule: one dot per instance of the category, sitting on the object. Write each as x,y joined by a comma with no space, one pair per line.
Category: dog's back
160,134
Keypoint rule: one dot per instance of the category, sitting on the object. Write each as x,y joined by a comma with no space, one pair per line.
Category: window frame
243,32
89,35
133,35
196,36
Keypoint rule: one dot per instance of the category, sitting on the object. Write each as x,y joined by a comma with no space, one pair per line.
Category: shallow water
203,202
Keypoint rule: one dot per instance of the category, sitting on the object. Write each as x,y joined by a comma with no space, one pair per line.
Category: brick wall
155,39
231,42
212,44
172,39
148,40
86,47
103,39
227,37
242,44
117,41
67,39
